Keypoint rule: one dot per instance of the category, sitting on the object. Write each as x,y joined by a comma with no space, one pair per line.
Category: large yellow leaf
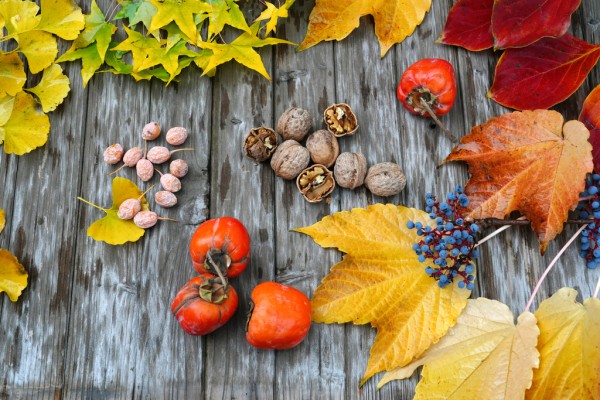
52,89
2,220
12,74
484,356
27,127
394,20
112,229
39,47
569,348
13,277
19,16
380,281
181,12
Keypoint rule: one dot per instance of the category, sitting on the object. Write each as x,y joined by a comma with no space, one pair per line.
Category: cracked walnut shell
323,147
385,179
289,159
350,170
260,143
340,120
294,123
315,183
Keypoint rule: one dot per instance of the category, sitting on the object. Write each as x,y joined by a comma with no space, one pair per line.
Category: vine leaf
13,276
526,78
590,116
527,162
484,356
394,20
380,281
272,15
12,74
52,89
521,23
112,229
2,220
469,25
569,351
25,127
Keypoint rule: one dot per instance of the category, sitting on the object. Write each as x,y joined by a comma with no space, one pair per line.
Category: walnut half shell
340,120
315,183
260,143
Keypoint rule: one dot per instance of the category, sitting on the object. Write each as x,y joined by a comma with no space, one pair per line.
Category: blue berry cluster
590,209
451,245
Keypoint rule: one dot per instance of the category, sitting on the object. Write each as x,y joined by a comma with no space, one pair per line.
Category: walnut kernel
260,143
294,123
315,183
340,120
350,170
289,159
323,147
385,179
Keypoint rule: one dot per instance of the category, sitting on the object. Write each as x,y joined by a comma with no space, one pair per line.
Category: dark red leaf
518,23
542,74
590,116
469,25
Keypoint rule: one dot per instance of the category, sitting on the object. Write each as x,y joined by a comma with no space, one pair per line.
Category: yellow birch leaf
13,277
112,229
27,127
380,281
39,47
12,74
569,348
2,220
335,19
62,18
52,89
484,356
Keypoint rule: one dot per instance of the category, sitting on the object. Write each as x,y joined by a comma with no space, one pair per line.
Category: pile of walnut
291,159
145,162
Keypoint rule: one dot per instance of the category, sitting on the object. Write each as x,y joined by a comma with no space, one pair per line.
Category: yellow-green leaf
112,229
144,50
272,14
62,18
19,16
40,49
181,12
52,89
225,12
7,104
335,19
12,74
380,281
569,348
13,277
484,356
27,127
2,220
90,60
96,30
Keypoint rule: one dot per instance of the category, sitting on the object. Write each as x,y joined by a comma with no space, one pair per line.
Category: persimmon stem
218,270
597,289
92,204
437,121
549,267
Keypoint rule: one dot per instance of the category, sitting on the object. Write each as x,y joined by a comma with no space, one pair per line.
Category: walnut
350,170
340,119
323,147
385,179
315,183
260,143
289,159
294,123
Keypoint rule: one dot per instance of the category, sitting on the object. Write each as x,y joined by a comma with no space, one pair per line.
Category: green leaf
136,12
90,61
13,277
225,12
52,89
144,50
181,12
27,127
96,30
12,74
62,18
112,229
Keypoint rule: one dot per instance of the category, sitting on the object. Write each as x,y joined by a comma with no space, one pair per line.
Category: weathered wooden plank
242,99
315,368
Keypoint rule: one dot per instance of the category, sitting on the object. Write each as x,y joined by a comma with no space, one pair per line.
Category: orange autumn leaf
335,19
526,162
380,281
590,116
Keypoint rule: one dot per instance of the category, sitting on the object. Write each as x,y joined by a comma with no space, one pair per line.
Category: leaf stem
597,289
437,121
92,204
547,270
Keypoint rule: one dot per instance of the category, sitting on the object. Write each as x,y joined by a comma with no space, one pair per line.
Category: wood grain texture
95,320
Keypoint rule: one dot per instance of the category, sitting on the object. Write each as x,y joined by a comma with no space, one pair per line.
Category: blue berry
410,224
461,284
470,286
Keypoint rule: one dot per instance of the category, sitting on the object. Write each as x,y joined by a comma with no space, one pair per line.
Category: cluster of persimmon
279,316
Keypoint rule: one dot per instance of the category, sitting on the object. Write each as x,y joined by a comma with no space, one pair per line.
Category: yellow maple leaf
181,12
52,89
335,19
13,277
484,356
112,229
272,14
12,74
2,220
380,281
569,348
23,127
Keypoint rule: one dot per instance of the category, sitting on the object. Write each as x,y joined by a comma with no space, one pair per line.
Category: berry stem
186,149
499,230
486,222
437,120
547,270
92,204
147,190
117,170
597,289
